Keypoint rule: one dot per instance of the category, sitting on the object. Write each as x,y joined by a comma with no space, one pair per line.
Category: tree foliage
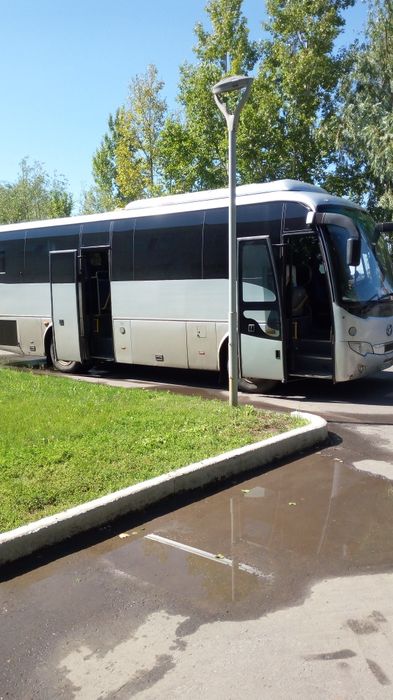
315,113
200,161
125,166
365,131
287,121
35,195
106,194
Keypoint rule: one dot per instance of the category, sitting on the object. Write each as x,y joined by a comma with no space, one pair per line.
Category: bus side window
259,220
215,244
295,217
123,250
12,258
39,242
95,233
168,248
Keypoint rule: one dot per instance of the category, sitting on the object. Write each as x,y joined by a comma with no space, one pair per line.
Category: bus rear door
260,313
65,304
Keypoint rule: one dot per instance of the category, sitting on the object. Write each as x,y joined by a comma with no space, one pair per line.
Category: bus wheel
256,386
65,366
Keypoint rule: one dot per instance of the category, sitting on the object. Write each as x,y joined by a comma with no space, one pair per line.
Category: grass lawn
64,442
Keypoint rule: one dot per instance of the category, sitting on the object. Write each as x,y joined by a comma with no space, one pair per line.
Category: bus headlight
361,348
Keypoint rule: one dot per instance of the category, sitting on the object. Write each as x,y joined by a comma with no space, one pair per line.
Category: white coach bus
148,285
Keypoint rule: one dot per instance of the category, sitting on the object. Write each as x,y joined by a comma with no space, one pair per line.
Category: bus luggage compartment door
260,316
65,304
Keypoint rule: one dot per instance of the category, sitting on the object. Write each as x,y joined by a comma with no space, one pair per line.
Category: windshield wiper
375,299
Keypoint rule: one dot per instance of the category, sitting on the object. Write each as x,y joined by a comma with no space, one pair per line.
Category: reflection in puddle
261,544
121,613
252,548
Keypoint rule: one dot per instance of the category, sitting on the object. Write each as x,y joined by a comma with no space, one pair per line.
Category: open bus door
260,311
65,304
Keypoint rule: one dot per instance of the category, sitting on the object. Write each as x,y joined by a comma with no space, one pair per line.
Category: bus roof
291,190
222,193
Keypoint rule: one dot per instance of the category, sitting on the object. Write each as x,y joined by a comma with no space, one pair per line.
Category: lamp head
230,84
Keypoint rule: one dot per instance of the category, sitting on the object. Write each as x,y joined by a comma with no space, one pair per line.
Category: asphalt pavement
276,586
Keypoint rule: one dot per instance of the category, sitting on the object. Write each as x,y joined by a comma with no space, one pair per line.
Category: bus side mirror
383,227
333,219
353,252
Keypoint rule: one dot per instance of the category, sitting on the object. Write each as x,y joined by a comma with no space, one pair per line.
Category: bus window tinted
122,250
12,259
295,217
259,220
95,233
40,242
168,248
215,244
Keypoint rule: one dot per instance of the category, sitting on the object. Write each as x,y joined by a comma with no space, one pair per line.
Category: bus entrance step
312,346
311,375
311,365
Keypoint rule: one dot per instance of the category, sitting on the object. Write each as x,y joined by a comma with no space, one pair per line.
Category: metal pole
241,84
233,370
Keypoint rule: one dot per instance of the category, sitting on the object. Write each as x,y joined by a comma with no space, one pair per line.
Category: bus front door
65,304
260,315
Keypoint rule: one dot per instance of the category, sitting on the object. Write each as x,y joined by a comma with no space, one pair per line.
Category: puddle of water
259,545
255,547
238,554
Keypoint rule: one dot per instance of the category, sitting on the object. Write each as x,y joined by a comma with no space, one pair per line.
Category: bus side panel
159,343
31,336
191,300
22,308
122,341
24,300
202,346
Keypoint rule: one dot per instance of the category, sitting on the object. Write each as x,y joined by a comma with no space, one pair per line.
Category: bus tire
65,366
257,386
248,386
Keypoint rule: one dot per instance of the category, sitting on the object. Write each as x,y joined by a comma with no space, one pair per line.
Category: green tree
365,125
105,194
126,165
286,130
35,195
193,149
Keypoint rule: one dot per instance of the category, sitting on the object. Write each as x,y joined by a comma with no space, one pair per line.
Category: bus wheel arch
47,343
248,385
65,366
223,362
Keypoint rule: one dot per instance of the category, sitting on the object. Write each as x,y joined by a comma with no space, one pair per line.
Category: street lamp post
242,85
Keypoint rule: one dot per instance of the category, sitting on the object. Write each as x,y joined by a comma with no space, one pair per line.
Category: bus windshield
368,287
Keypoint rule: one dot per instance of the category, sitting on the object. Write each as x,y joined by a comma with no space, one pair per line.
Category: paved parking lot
277,586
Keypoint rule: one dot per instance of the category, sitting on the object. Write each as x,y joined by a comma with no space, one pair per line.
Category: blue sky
66,65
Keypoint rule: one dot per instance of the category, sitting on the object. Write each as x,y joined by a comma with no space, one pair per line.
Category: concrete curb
29,538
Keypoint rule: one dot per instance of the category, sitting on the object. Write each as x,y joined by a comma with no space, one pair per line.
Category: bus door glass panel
65,304
260,318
